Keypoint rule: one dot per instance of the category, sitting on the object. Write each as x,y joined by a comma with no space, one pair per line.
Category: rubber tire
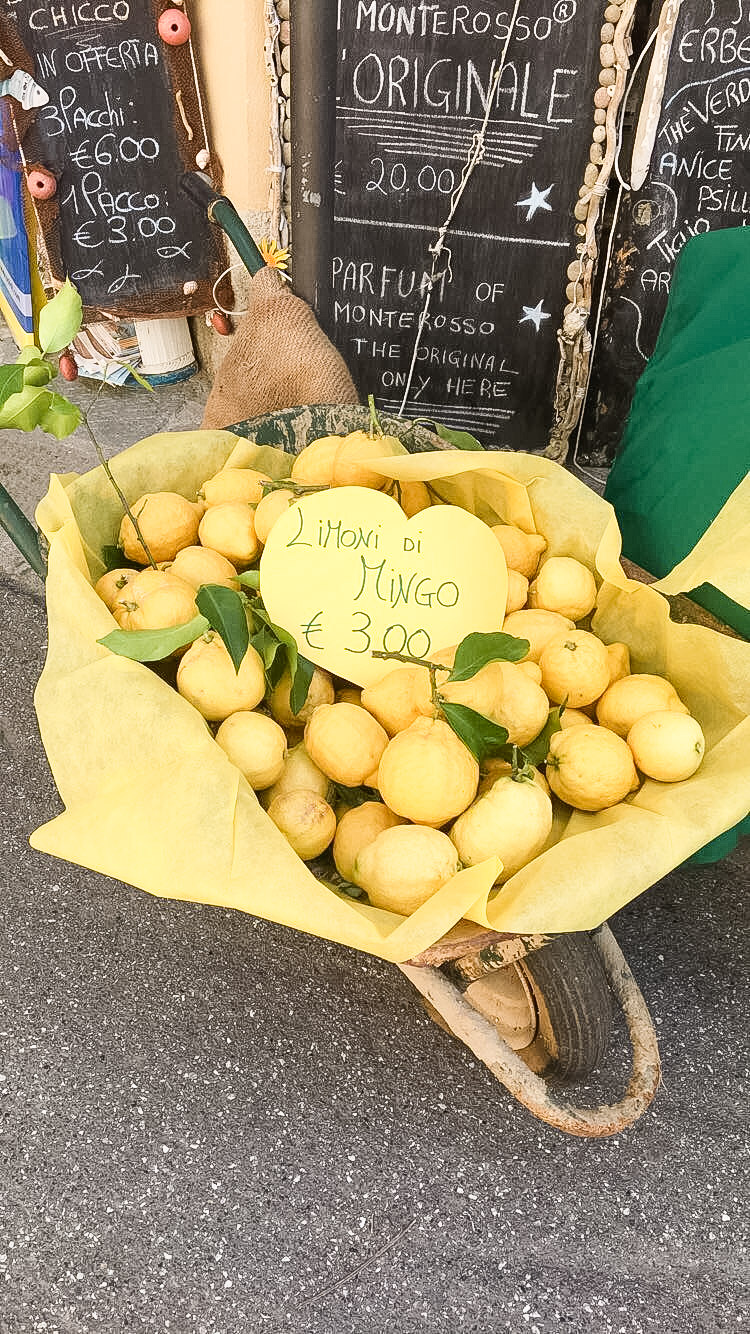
574,1008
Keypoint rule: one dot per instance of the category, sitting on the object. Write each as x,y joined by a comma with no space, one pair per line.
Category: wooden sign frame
73,141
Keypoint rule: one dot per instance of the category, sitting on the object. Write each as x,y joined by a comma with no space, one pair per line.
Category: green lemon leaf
152,645
458,439
11,381
476,650
24,411
250,578
60,319
114,558
536,751
61,417
482,737
225,612
301,679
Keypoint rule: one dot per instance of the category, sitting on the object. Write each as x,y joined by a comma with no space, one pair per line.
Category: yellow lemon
531,669
511,821
667,746
575,666
229,528
168,523
403,867
299,771
536,626
522,550
623,703
619,661
201,565
574,718
506,695
590,768
495,768
346,742
154,601
398,698
111,584
313,465
307,821
427,774
356,828
518,591
413,497
564,585
319,692
350,463
233,484
271,508
256,745
207,679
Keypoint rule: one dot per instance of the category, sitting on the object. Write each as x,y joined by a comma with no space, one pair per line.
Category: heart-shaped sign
347,574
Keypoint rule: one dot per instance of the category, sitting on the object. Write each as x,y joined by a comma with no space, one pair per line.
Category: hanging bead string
622,186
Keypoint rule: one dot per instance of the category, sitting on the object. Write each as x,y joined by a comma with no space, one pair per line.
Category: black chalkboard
117,137
413,89
699,180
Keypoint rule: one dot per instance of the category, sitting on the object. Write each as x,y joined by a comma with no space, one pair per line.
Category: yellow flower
274,255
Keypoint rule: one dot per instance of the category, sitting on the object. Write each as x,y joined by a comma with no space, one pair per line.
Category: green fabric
687,442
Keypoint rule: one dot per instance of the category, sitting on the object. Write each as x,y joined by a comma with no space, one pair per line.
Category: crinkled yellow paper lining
150,798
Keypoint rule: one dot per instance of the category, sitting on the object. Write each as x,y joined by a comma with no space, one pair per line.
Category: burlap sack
279,358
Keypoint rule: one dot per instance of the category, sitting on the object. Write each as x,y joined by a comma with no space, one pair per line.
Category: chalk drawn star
534,315
535,200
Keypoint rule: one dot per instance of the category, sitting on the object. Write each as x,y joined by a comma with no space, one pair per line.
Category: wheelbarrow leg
484,1041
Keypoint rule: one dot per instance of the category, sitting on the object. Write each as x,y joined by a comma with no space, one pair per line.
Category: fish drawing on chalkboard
22,87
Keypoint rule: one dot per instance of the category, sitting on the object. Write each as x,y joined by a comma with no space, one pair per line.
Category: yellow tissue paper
152,800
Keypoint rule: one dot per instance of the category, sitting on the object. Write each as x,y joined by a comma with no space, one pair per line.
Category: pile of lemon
434,809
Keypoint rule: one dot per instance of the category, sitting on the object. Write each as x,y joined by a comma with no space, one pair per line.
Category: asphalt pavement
213,1125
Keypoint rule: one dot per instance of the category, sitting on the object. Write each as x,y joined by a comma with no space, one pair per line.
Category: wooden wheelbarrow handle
485,1042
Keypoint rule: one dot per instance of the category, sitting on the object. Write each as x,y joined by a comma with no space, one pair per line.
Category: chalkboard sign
122,124
699,180
415,83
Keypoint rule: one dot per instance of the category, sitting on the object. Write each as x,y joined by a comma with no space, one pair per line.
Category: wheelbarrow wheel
553,1007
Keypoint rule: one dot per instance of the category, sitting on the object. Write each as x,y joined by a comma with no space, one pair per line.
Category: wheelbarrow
536,1009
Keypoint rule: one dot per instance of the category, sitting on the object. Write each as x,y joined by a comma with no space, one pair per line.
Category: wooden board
117,137
699,180
413,88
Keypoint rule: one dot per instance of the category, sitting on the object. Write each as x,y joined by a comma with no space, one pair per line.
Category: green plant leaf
301,678
536,751
61,417
482,737
140,379
60,319
24,411
476,650
11,381
225,613
250,578
153,645
29,355
114,558
458,439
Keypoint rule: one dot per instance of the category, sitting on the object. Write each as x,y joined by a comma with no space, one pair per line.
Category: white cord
476,153
238,264
626,184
